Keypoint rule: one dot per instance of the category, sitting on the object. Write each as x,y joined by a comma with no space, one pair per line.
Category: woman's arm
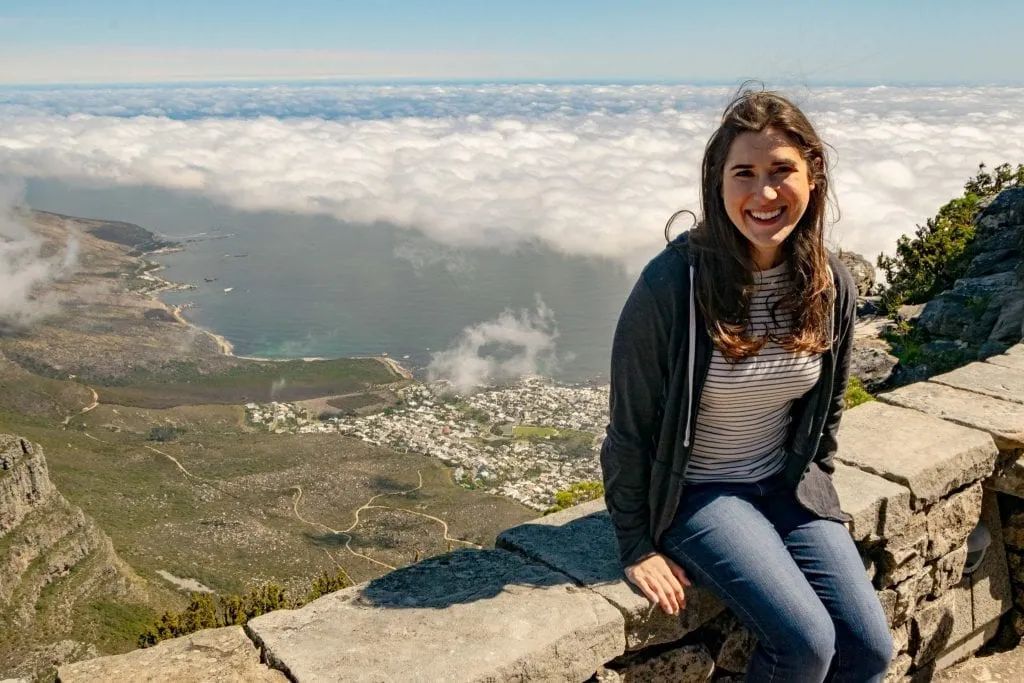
828,445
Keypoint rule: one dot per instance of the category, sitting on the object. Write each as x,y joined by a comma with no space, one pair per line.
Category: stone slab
879,507
939,625
1013,358
224,654
963,649
469,615
929,456
991,590
1010,479
1001,667
1004,420
988,379
580,542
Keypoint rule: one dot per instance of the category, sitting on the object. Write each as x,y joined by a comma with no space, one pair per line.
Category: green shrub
932,260
204,611
580,492
856,394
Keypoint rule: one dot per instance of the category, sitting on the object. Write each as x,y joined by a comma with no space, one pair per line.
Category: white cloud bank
584,170
515,344
24,270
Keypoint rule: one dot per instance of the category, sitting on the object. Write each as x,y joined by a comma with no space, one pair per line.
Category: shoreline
148,270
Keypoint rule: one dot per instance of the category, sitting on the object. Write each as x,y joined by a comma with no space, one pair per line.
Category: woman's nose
768,191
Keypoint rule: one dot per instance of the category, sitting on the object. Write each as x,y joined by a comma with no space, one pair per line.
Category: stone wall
918,470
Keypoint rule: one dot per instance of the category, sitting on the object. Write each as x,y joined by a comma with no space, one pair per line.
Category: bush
856,394
165,433
230,610
580,492
931,261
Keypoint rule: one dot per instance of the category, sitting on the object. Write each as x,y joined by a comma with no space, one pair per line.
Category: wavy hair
725,280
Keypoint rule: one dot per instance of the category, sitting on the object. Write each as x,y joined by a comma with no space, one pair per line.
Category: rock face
861,269
985,308
52,559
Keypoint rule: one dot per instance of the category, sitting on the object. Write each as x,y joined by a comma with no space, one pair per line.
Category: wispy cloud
514,344
24,271
585,170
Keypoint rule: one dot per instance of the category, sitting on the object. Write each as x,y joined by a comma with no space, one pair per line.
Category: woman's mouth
767,218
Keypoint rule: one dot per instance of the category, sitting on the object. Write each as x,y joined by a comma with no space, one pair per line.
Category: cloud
515,344
24,270
589,171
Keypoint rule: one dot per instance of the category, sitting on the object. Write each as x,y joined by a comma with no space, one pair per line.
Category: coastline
148,270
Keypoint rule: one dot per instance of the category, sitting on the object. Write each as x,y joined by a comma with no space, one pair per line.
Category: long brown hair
725,280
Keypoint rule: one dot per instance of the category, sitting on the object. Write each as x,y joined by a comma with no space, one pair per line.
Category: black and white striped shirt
743,417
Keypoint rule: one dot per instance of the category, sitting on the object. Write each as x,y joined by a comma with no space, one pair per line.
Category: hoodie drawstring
691,362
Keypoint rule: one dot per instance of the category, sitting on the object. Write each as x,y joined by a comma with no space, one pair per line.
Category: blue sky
868,41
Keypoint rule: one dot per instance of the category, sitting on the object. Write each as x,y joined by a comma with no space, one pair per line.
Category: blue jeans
795,581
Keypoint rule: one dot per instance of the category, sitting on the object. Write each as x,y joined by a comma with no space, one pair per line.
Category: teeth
766,216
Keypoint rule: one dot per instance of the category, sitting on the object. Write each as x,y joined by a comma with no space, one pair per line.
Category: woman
729,366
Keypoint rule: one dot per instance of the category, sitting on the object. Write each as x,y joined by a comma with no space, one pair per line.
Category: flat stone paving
1001,667
1004,420
928,455
470,615
225,655
1013,358
986,378
580,542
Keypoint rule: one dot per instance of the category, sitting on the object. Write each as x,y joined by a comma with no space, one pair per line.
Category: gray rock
939,624
1009,479
950,521
927,455
991,591
684,664
470,615
224,654
986,306
580,542
736,650
987,379
861,269
1003,420
948,571
878,506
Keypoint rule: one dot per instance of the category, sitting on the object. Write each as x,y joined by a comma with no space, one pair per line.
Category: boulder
861,269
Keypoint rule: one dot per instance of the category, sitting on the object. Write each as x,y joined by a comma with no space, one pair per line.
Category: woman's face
766,188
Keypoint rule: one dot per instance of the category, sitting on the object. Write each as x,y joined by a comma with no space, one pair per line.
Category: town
526,441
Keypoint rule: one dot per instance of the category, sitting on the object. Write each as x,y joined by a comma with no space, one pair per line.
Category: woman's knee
868,650
807,646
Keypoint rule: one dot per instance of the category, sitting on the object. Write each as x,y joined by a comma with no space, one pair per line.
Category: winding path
368,505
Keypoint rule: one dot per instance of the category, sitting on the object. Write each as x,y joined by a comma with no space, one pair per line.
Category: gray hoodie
660,357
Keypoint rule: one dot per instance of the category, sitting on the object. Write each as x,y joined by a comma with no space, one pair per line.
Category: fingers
661,581
678,572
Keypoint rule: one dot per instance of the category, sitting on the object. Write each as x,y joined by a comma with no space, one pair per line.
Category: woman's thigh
724,542
829,560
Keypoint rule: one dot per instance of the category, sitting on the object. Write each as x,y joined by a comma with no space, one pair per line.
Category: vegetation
938,254
580,492
911,347
182,383
530,431
204,612
856,394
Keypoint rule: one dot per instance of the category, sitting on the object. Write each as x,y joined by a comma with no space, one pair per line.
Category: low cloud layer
515,344
24,270
584,170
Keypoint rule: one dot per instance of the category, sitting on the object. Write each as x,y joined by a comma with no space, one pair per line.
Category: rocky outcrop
54,562
861,269
985,308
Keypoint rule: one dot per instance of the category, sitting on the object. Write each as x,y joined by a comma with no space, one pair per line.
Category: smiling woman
742,331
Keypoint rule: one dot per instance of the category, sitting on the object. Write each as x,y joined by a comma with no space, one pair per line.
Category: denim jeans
795,581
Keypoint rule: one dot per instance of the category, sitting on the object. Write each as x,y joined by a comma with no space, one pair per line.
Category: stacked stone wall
917,470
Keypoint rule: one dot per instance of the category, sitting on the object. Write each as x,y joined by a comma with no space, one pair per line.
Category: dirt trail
368,505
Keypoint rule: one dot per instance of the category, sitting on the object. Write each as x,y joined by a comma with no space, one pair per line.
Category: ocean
281,285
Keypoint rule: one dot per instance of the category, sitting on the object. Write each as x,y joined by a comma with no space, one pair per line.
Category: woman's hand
661,580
